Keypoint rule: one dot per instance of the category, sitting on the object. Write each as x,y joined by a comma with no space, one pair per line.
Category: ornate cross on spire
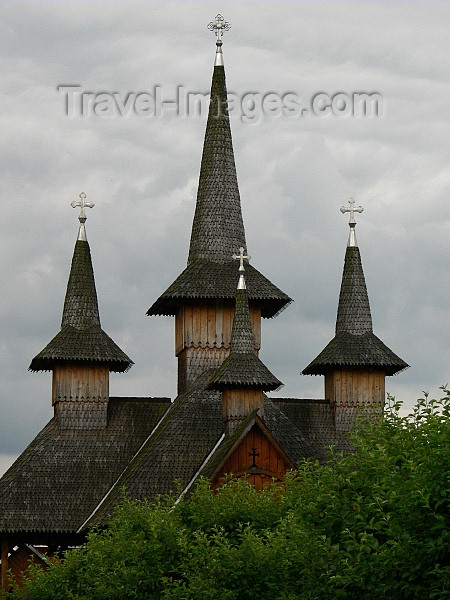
352,223
219,25
82,204
82,216
352,209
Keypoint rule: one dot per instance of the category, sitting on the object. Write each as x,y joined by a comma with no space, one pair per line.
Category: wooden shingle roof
355,344
207,280
62,475
81,338
190,433
218,228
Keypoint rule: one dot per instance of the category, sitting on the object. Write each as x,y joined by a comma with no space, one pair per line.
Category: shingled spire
356,361
207,285
81,354
242,377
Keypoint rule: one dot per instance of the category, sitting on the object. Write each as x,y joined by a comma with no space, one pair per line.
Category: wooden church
222,423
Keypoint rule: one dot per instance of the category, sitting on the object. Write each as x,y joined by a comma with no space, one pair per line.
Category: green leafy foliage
373,524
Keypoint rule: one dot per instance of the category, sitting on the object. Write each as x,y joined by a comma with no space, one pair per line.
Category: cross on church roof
82,204
82,216
352,223
219,25
351,209
253,455
241,256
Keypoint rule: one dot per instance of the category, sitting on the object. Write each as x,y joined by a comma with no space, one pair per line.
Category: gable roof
81,338
231,443
355,344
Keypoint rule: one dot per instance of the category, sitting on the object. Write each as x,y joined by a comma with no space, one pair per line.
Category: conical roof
355,344
242,367
81,338
218,227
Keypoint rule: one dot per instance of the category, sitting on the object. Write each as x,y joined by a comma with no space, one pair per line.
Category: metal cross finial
352,223
219,25
241,256
352,209
82,204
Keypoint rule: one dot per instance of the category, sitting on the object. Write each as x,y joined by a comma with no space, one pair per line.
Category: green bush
370,525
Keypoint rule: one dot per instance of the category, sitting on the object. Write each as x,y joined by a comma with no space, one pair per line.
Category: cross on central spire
219,25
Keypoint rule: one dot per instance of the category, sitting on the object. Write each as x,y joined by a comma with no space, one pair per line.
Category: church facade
222,423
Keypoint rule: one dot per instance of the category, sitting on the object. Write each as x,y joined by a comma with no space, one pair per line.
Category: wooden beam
4,574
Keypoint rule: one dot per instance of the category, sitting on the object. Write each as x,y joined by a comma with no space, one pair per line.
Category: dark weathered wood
4,571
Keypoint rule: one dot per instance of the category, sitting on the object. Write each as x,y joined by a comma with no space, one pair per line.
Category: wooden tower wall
80,395
237,403
203,336
354,392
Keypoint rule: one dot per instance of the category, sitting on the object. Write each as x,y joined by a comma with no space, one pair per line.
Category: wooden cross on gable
241,256
253,455
82,204
352,209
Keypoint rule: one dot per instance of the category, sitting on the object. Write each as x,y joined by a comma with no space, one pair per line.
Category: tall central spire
202,297
218,228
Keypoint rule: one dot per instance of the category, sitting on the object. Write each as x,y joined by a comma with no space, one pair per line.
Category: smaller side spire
219,25
81,338
355,344
242,368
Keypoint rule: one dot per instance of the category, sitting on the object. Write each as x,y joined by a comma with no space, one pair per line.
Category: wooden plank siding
80,382
203,337
237,403
209,325
354,391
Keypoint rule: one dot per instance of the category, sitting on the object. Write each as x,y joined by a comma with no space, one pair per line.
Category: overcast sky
294,172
